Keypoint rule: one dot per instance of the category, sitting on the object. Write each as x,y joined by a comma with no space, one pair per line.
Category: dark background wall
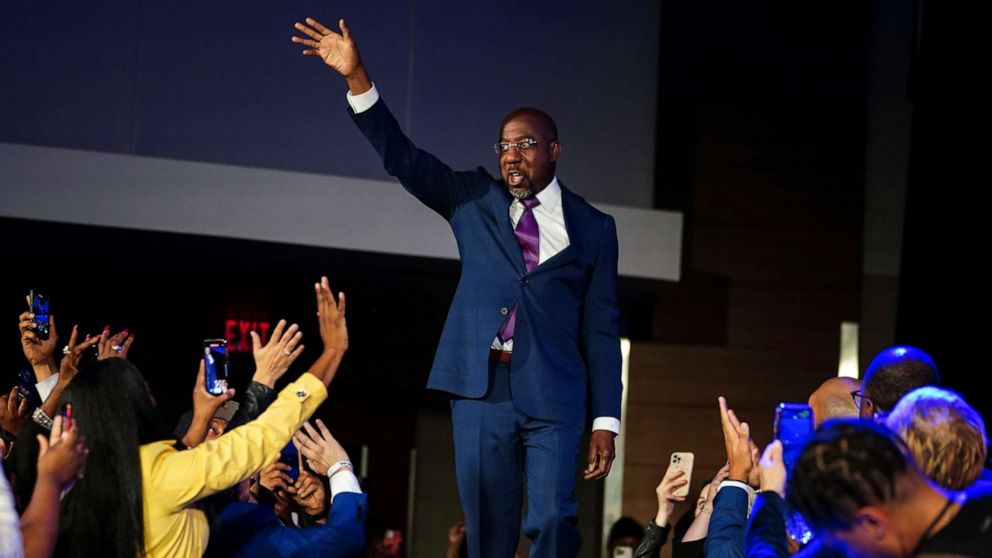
220,82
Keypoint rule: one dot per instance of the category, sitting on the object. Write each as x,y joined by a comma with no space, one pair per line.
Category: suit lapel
573,221
500,200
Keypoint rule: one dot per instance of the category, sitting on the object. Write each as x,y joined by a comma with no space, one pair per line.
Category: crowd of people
896,467
95,470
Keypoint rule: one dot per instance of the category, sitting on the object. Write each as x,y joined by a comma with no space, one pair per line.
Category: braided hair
846,465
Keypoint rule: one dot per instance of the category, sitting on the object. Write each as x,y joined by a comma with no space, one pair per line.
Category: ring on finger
287,352
66,350
117,348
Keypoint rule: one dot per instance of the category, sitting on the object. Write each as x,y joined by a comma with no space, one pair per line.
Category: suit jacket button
524,281
503,311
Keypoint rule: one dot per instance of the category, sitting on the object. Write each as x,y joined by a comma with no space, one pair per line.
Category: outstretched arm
337,50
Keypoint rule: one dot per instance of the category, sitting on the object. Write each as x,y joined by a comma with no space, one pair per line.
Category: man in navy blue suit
532,337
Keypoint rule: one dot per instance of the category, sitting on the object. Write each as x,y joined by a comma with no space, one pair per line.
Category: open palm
337,50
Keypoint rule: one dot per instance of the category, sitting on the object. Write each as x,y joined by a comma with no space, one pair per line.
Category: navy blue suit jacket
566,341
725,538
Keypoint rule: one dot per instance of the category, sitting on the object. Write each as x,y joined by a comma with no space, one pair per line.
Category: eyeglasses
858,397
522,145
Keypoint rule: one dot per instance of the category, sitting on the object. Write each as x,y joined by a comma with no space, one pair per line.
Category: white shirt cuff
46,386
344,481
363,101
738,484
607,423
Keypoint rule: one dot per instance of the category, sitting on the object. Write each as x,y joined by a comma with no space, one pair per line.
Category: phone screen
39,307
793,425
215,365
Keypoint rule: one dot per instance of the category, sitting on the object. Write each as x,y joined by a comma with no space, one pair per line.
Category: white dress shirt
550,225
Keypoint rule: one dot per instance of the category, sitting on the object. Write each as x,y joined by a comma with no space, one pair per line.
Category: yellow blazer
172,480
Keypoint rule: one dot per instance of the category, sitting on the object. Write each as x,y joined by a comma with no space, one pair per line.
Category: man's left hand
602,451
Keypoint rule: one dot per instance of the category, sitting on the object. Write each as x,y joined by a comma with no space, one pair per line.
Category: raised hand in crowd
273,359
68,368
308,492
333,332
205,407
61,458
700,526
320,449
673,480
13,412
274,477
73,353
113,346
456,537
39,352
771,469
706,499
742,454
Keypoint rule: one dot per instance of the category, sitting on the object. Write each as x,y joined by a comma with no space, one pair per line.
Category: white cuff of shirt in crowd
344,481
363,101
46,386
607,423
738,484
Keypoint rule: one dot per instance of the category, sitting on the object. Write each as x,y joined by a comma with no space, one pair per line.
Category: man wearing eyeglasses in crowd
533,328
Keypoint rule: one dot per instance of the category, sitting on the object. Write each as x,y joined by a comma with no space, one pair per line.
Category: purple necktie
530,244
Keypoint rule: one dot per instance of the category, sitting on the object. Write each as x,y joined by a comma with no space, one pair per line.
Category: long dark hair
113,409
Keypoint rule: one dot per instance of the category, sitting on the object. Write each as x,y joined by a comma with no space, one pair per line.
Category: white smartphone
683,460
623,552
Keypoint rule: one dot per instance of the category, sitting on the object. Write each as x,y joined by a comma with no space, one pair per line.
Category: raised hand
62,455
39,352
319,448
333,327
274,477
456,534
205,407
274,358
673,480
333,331
13,413
771,469
113,346
337,50
736,439
72,353
706,502
309,494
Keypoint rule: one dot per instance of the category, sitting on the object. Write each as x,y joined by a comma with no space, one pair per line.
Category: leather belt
499,356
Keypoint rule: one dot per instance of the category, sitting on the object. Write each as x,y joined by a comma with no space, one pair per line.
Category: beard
520,193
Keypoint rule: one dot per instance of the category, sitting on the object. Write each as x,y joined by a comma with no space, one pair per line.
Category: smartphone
793,425
291,458
215,365
683,460
26,388
623,552
39,307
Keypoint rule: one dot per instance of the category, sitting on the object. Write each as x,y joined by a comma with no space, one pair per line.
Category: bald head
542,121
833,400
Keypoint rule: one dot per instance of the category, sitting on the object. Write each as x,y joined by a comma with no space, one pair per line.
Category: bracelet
42,418
338,466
